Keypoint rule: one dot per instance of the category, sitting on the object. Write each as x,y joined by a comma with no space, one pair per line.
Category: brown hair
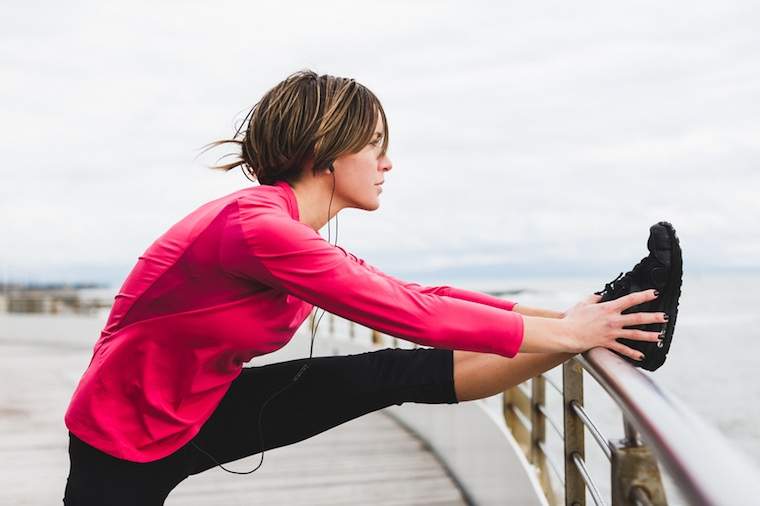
305,117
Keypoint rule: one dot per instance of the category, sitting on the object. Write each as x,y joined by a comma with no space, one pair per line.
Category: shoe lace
622,282
615,284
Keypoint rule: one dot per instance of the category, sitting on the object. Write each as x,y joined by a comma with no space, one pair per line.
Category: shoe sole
654,355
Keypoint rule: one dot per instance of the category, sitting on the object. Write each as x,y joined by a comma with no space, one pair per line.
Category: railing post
514,401
572,381
351,329
332,325
635,477
375,337
538,436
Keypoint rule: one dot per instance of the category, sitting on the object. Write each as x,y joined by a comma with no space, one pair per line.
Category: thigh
96,478
331,391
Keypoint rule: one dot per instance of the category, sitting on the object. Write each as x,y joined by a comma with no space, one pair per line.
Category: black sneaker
662,270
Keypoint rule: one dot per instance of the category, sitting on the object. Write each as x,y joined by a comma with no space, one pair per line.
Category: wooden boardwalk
370,460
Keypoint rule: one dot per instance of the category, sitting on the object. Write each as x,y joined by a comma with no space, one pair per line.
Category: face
358,175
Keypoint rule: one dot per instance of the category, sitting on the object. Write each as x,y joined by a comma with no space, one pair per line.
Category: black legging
332,391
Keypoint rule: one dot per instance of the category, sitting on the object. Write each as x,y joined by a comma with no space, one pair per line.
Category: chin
370,202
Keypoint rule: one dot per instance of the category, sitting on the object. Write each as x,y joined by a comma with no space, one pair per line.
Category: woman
166,396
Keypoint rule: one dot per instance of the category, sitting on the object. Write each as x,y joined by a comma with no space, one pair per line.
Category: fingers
625,350
632,299
642,318
640,335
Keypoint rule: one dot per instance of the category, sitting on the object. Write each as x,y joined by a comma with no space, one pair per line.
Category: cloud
547,137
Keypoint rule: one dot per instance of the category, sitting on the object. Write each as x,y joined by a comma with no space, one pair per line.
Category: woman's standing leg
96,478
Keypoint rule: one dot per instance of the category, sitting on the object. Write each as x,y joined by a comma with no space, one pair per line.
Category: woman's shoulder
250,201
276,200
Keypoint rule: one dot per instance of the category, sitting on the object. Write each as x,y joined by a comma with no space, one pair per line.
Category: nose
385,163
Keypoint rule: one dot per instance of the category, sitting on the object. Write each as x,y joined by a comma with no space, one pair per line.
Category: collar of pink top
291,196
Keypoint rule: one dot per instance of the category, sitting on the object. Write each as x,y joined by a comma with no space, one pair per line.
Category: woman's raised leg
332,391
480,375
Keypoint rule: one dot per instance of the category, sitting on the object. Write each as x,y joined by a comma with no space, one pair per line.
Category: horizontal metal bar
524,389
524,420
602,441
550,461
702,464
552,383
592,488
517,397
542,410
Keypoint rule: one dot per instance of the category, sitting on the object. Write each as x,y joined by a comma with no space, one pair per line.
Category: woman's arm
539,335
546,330
542,330
448,291
289,256
546,335
533,311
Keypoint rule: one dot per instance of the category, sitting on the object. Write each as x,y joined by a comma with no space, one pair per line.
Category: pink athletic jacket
233,280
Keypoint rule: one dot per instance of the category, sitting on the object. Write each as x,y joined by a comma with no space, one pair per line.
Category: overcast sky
538,138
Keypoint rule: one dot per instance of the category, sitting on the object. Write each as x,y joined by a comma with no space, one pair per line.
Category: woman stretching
166,395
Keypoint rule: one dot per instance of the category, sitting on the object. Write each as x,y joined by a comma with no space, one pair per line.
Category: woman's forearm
546,335
534,311
544,331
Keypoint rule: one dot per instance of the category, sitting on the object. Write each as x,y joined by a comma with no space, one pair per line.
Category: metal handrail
542,410
593,429
697,457
552,464
553,384
592,488
523,419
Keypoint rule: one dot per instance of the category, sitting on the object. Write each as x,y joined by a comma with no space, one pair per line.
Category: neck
313,197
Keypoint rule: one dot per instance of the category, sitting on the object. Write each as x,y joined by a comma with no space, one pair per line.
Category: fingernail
641,356
656,293
666,317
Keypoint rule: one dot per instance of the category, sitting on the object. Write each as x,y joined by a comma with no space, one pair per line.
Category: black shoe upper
661,270
651,272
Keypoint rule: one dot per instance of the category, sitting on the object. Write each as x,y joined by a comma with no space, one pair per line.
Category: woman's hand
591,323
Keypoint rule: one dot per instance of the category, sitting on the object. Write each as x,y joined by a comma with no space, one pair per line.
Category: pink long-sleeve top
232,280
